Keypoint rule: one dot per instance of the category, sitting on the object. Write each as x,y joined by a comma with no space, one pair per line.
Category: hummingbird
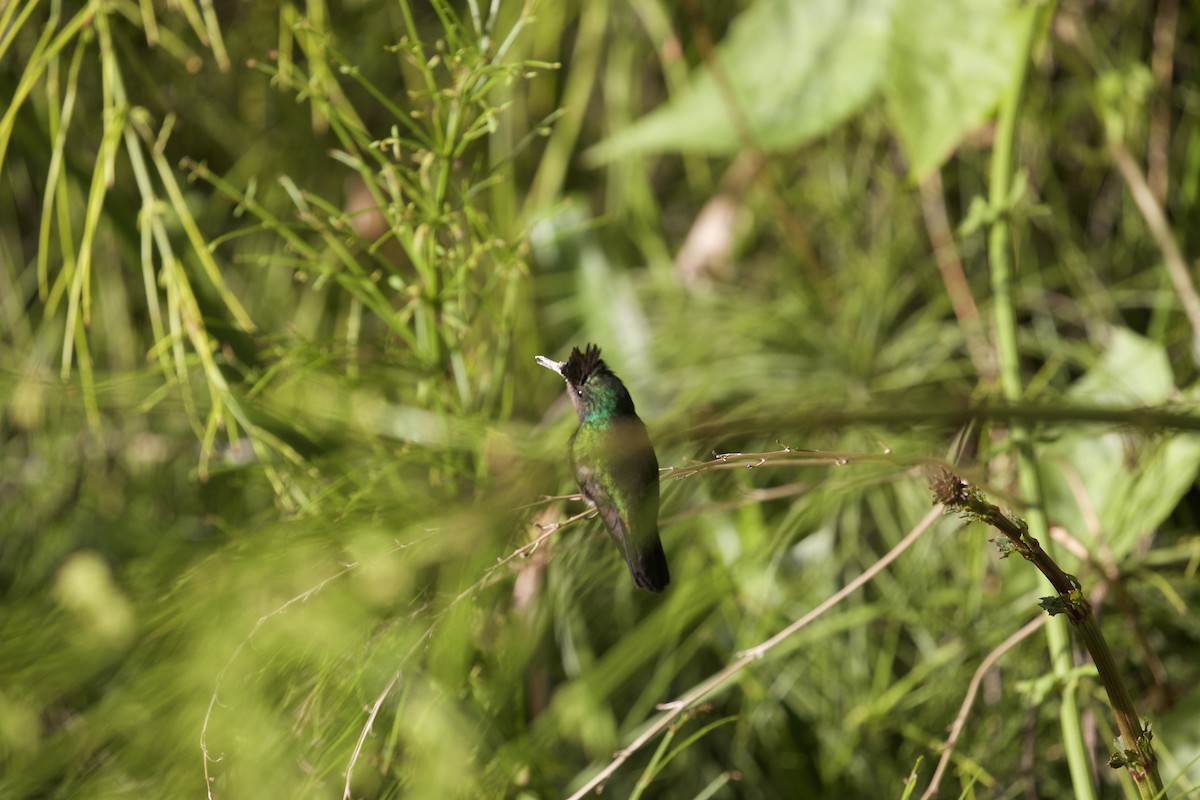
614,463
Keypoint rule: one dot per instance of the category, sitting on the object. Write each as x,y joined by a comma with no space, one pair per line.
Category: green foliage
1109,498
275,455
790,72
949,64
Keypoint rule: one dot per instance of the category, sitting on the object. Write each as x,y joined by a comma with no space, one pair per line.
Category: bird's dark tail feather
648,566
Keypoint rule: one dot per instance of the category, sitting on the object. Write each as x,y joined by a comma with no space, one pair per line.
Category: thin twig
954,277
1162,61
547,530
677,707
366,729
792,457
212,700
1160,229
795,235
521,552
1137,754
969,700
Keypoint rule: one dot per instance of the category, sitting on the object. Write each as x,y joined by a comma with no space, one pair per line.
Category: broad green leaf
797,68
949,64
1109,486
1134,371
792,70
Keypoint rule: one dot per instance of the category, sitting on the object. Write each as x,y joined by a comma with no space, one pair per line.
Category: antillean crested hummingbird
614,463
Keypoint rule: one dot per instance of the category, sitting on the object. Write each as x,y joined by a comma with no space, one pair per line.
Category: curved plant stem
680,705
1160,229
1137,751
1003,279
960,722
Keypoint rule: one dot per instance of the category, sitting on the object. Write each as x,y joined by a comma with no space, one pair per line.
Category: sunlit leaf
1114,486
789,72
949,64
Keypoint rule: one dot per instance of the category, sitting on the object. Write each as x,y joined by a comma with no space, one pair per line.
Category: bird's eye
579,392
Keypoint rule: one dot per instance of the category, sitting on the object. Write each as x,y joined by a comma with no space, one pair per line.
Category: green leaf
949,64
1115,486
792,70
1134,371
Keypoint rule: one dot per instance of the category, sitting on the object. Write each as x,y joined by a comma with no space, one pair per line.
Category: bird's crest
581,366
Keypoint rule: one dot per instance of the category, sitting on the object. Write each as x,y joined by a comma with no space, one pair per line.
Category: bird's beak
548,364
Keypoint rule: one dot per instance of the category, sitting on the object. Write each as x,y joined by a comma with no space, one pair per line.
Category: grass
285,507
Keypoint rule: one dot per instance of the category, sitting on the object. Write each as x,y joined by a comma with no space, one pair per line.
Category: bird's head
593,388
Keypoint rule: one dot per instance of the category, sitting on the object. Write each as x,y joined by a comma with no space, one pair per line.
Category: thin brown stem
697,693
794,233
954,278
1137,754
1158,139
964,710
1160,229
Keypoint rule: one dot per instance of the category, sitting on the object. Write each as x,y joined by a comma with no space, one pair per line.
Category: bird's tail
648,564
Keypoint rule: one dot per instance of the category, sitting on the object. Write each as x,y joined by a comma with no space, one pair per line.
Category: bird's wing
626,495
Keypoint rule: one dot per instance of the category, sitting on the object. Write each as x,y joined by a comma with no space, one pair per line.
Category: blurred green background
272,277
